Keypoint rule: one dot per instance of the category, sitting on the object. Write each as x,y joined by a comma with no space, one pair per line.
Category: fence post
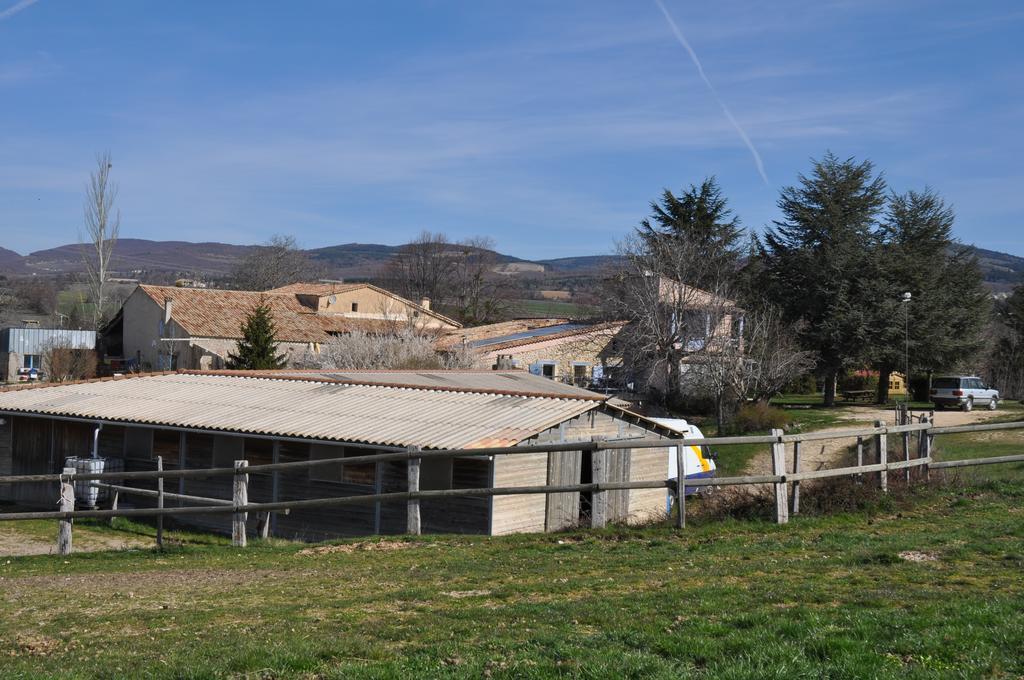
860,456
160,503
67,504
882,451
598,499
779,468
796,485
929,440
113,505
680,486
240,498
906,455
412,525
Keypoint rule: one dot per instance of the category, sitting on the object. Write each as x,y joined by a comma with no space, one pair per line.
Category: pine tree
701,217
942,324
257,350
1006,360
817,263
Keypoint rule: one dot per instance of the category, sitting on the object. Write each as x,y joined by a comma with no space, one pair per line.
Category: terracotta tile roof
610,327
204,312
317,289
330,323
326,289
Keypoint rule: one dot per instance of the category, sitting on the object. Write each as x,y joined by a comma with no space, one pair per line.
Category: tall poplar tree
817,262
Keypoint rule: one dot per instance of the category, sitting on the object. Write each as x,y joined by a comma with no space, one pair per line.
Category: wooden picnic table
858,395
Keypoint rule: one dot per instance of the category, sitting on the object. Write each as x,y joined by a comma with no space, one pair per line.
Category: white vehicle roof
679,425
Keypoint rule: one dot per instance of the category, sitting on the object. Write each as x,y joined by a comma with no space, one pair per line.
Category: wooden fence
916,439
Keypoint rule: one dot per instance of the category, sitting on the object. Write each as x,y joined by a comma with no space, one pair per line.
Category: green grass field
548,308
921,583
916,585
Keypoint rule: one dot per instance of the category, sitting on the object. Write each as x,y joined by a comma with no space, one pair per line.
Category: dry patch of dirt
35,644
459,594
14,543
915,556
362,546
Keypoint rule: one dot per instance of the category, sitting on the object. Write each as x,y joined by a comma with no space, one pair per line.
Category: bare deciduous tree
276,263
102,227
457,278
404,347
63,363
760,357
668,320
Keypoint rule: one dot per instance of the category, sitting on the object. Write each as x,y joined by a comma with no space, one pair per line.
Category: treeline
862,275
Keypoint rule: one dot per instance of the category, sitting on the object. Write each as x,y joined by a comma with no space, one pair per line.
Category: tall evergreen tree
701,217
257,350
1006,360
942,323
817,264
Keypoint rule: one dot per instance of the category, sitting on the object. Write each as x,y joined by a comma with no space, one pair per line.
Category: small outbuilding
198,419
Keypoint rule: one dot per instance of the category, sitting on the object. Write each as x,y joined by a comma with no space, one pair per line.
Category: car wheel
993,404
968,405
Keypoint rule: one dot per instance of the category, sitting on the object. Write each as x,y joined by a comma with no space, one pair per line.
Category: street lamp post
906,344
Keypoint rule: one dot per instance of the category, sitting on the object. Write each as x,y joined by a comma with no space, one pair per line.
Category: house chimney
425,303
168,308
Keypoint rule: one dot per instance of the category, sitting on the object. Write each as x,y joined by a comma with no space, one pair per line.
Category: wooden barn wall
6,453
36,445
512,514
39,446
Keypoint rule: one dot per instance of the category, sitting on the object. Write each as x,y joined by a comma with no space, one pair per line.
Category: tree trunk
830,387
720,414
882,392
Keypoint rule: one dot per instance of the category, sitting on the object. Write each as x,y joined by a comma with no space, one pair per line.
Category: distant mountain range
135,257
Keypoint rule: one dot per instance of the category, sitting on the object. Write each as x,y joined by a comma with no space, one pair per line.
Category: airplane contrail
15,8
725,109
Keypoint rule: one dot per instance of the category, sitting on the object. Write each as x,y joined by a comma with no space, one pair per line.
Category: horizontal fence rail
873,441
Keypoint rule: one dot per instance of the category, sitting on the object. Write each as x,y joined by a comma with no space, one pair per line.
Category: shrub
859,382
756,417
805,384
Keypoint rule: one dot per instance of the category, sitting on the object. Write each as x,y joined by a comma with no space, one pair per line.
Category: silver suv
964,392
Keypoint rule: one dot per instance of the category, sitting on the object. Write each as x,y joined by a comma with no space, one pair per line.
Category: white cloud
15,8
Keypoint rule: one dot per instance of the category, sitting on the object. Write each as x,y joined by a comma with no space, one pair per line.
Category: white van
697,461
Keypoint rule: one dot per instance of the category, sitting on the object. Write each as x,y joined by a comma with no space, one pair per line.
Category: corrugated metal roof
520,382
368,413
36,340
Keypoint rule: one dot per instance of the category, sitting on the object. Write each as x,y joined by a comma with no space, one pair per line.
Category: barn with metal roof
198,419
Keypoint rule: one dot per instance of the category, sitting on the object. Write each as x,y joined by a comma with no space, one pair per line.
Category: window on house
355,306
579,374
33,361
547,370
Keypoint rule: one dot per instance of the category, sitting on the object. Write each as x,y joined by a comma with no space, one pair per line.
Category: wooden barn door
563,508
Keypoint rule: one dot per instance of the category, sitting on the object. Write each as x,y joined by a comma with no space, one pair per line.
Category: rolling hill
134,257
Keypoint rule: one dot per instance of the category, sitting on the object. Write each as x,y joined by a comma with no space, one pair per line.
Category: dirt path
830,453
16,543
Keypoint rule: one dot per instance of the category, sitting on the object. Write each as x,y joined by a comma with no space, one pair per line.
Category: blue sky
548,126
